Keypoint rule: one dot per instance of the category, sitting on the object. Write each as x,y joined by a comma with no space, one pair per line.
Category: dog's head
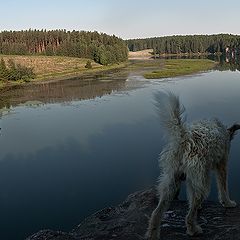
232,130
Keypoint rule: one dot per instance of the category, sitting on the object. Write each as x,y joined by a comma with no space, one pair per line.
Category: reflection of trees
227,62
63,91
232,66
5,98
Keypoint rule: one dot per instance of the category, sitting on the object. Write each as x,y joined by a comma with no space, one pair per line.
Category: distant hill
100,47
213,44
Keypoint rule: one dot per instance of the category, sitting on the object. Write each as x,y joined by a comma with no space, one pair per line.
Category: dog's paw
229,204
195,230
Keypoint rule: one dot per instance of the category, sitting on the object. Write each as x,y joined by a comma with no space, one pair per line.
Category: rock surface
129,220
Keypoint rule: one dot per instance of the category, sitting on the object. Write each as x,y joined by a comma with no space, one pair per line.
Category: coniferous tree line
100,47
219,43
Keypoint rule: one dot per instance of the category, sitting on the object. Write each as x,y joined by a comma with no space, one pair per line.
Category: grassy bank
179,67
56,67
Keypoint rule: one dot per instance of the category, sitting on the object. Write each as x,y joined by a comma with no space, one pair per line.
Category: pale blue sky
125,18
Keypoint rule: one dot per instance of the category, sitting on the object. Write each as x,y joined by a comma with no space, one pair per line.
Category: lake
72,147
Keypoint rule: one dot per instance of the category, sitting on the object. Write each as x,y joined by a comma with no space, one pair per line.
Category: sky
124,18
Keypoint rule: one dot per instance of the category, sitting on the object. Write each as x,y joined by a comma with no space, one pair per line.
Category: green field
179,67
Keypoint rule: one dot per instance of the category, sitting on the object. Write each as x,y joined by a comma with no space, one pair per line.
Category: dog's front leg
223,194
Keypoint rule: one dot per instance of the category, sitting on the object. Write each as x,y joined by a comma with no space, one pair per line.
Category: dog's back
207,142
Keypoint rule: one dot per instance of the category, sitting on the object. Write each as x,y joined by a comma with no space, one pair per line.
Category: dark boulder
129,220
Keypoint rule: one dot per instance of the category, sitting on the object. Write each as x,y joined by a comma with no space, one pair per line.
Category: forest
213,44
100,47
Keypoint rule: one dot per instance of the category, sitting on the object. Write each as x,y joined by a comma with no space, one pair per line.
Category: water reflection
226,62
63,91
57,186
231,64
60,162
90,87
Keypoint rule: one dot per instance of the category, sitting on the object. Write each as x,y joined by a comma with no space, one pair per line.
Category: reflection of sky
53,123
214,94
28,129
56,158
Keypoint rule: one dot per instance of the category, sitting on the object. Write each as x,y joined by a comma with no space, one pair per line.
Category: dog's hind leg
221,176
167,190
196,194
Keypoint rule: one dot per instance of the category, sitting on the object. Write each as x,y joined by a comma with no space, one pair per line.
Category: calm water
73,147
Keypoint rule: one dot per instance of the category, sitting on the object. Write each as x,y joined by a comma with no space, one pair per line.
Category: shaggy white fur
192,151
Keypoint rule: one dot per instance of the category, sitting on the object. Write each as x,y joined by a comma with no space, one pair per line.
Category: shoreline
87,73
64,76
158,71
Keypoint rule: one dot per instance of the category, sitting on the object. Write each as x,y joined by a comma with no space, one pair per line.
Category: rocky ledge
129,220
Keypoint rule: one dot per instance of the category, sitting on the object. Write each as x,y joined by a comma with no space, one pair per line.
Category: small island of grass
179,67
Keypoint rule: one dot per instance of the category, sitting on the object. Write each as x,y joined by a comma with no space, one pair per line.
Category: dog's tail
232,130
171,113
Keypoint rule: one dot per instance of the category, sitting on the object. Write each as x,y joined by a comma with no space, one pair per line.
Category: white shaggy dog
191,153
